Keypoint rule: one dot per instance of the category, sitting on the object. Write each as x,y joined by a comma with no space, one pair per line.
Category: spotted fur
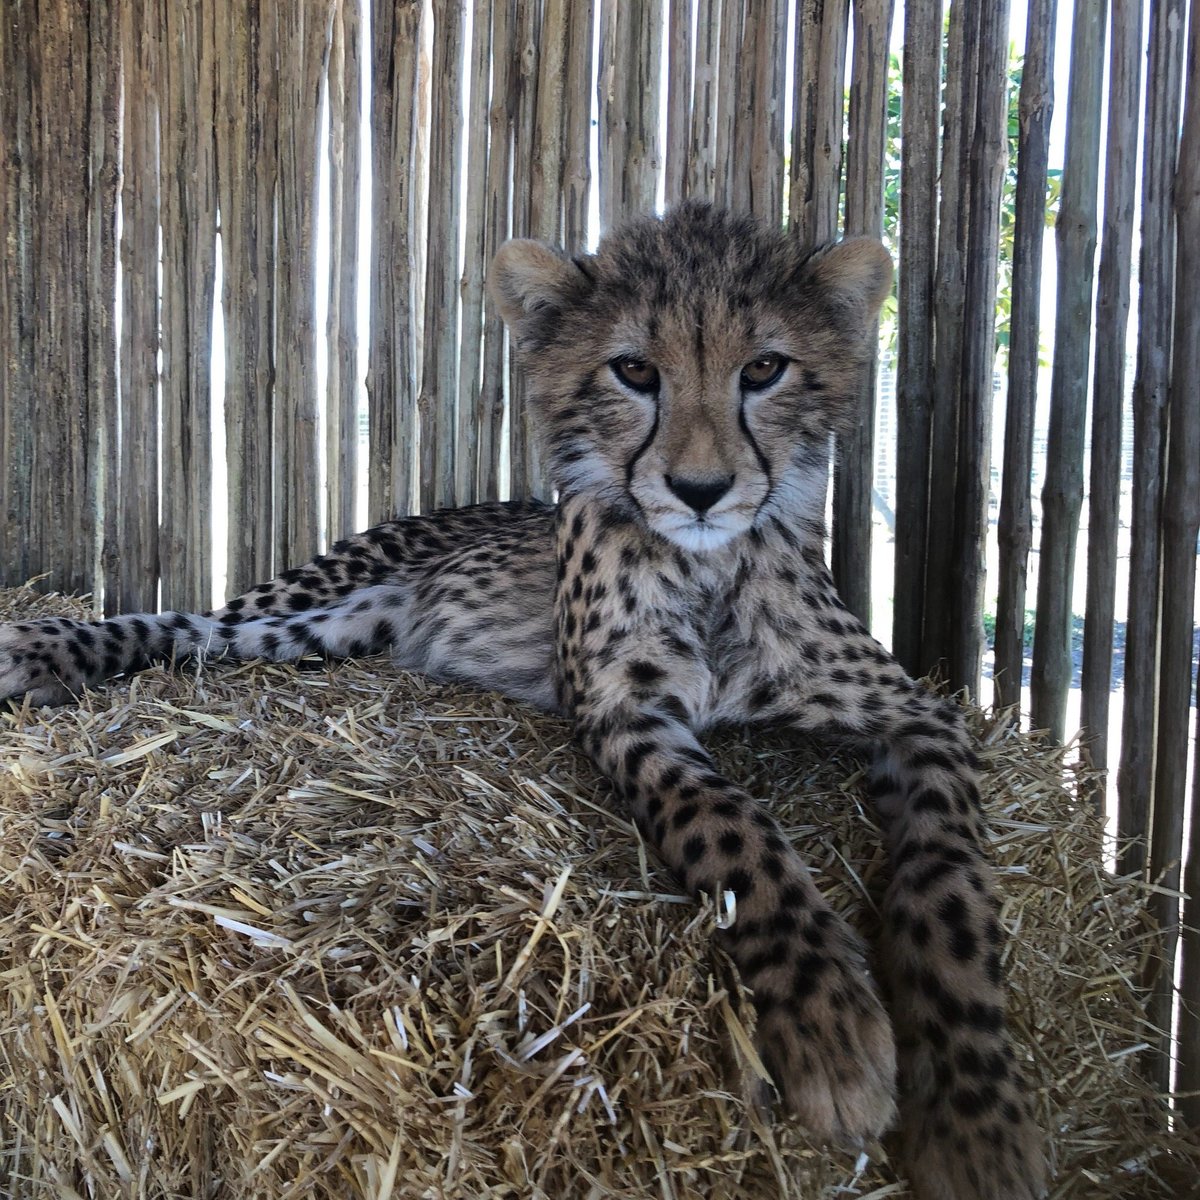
687,379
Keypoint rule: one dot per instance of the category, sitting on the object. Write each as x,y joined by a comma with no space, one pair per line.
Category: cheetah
686,379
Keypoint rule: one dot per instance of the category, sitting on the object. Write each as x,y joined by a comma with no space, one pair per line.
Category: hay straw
281,932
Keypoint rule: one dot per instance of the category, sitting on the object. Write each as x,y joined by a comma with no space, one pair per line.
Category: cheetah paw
840,1093
824,1036
953,1156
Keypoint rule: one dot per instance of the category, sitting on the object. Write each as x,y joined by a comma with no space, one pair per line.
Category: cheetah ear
856,274
532,283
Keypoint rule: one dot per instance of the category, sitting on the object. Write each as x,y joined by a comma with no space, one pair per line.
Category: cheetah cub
686,379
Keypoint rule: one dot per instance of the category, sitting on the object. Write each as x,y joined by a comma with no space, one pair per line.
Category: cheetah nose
700,494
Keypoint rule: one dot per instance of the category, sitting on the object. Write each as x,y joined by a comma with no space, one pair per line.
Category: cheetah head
692,370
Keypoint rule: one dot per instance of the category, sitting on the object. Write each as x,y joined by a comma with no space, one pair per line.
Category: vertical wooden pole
759,126
679,98
61,524
854,472
16,360
630,154
439,373
732,184
392,370
526,31
137,469
467,466
545,221
1108,390
490,409
806,56
986,164
1180,529
821,220
1188,1079
1156,288
303,52
104,168
962,59
1015,529
577,170
189,220
246,129
702,152
341,330
914,374
1062,493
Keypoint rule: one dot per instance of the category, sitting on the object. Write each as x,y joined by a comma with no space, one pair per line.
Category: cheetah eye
635,373
763,372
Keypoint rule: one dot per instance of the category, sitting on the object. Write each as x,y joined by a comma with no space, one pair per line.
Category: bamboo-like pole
545,213
949,284
732,178
1108,389
1180,529
521,447
546,182
854,473
104,167
247,116
490,407
806,59
137,470
524,51
577,171
419,220
630,158
303,54
189,218
439,373
392,371
679,98
821,220
1156,287
60,505
1188,1053
341,329
1062,493
1015,528
16,367
702,145
62,531
466,484
914,373
988,157
760,107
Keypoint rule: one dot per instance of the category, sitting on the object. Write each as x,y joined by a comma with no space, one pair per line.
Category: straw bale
340,932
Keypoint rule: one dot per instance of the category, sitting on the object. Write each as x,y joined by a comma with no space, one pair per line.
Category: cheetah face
692,371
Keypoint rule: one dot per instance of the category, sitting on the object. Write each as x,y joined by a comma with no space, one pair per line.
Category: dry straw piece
339,932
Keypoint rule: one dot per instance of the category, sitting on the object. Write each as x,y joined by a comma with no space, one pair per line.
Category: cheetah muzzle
686,380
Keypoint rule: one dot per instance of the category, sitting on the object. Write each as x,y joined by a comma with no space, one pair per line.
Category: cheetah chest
703,636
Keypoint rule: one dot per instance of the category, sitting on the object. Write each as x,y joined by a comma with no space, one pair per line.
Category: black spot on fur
642,672
731,843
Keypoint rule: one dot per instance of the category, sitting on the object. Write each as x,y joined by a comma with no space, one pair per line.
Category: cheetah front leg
636,684
822,1032
966,1119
